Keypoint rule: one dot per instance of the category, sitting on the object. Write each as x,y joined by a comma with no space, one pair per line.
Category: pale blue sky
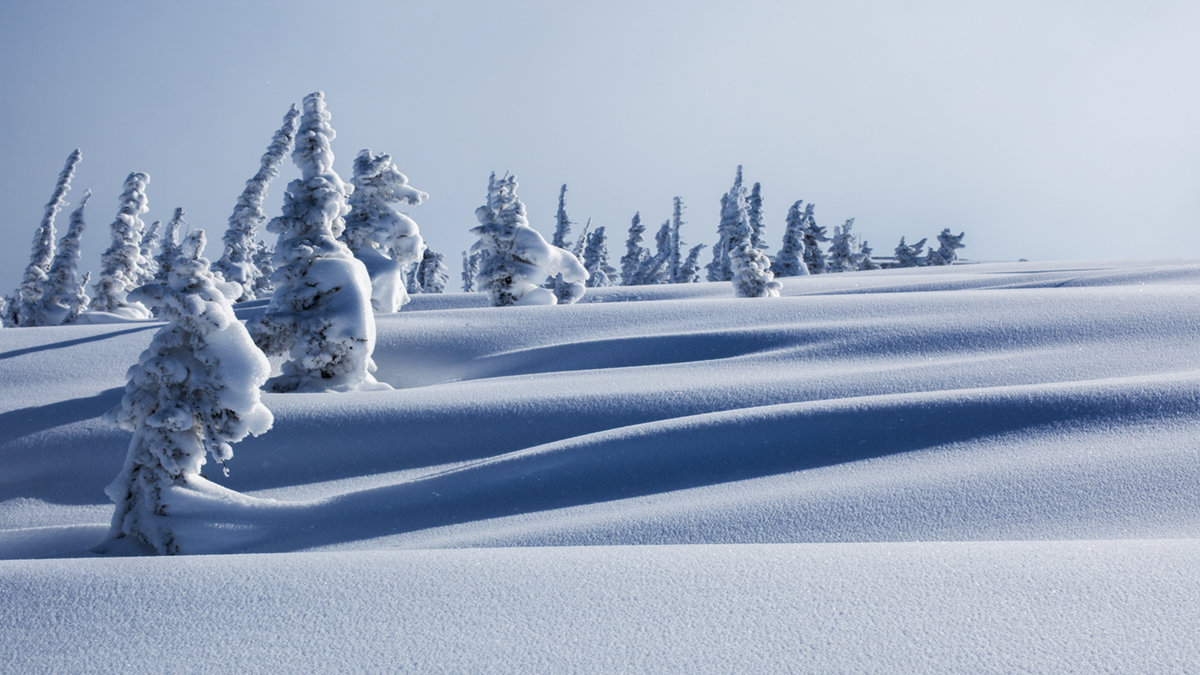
1045,130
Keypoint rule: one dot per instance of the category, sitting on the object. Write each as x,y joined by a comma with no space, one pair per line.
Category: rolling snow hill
981,467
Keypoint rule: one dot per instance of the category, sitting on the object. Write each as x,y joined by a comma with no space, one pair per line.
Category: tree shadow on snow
78,341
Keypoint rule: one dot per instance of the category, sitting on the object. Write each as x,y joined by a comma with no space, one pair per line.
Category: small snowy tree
814,236
689,269
433,272
515,257
635,253
754,213
562,222
319,318
470,271
655,268
122,265
752,277
947,252
383,237
790,261
33,285
237,263
675,262
66,293
843,256
264,261
733,230
909,256
865,261
168,247
595,260
194,391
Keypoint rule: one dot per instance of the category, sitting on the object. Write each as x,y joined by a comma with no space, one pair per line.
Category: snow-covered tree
237,263
909,256
562,222
754,214
947,252
865,261
122,265
675,262
319,318
193,392
149,261
635,253
515,257
843,253
66,293
470,271
383,237
655,268
264,261
733,230
168,247
790,260
689,269
28,297
752,277
433,272
595,260
814,236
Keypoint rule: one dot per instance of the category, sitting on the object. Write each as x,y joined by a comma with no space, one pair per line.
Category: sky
1043,130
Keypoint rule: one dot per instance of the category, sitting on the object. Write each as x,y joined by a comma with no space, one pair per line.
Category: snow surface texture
968,468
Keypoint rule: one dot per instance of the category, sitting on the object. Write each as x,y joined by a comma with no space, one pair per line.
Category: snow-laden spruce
148,244
470,270
909,256
319,318
595,260
193,392
790,260
732,231
122,266
947,252
515,258
28,298
675,259
814,236
383,237
168,247
843,252
237,263
66,292
865,260
689,269
432,272
754,214
750,268
635,253
655,268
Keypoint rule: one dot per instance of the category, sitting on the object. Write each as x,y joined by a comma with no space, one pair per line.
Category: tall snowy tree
752,277
383,237
33,285
319,318
635,253
515,258
562,222
947,252
843,253
909,256
790,261
122,265
814,236
193,392
237,264
733,230
470,271
754,213
433,272
168,247
675,262
595,260
656,268
66,292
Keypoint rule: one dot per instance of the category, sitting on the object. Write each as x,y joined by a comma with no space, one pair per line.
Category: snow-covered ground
984,467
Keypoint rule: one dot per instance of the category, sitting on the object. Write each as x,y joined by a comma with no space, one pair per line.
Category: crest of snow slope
989,402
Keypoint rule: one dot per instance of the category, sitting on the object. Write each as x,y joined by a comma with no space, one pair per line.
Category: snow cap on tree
122,265
515,257
192,393
319,317
237,264
33,285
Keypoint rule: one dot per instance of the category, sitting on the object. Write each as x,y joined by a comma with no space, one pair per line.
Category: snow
970,467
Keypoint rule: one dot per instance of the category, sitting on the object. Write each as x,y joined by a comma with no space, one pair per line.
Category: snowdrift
979,466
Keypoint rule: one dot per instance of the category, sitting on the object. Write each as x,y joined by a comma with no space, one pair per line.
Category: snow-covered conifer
470,271
814,236
909,256
237,263
149,261
689,269
194,391
562,222
168,247
319,318
947,252
434,273
595,260
33,285
755,216
264,262
515,257
581,242
384,238
843,254
790,261
635,253
865,261
733,230
64,287
655,268
752,277
675,261
122,265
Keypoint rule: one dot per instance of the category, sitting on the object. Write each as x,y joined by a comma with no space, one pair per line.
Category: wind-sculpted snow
1009,403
